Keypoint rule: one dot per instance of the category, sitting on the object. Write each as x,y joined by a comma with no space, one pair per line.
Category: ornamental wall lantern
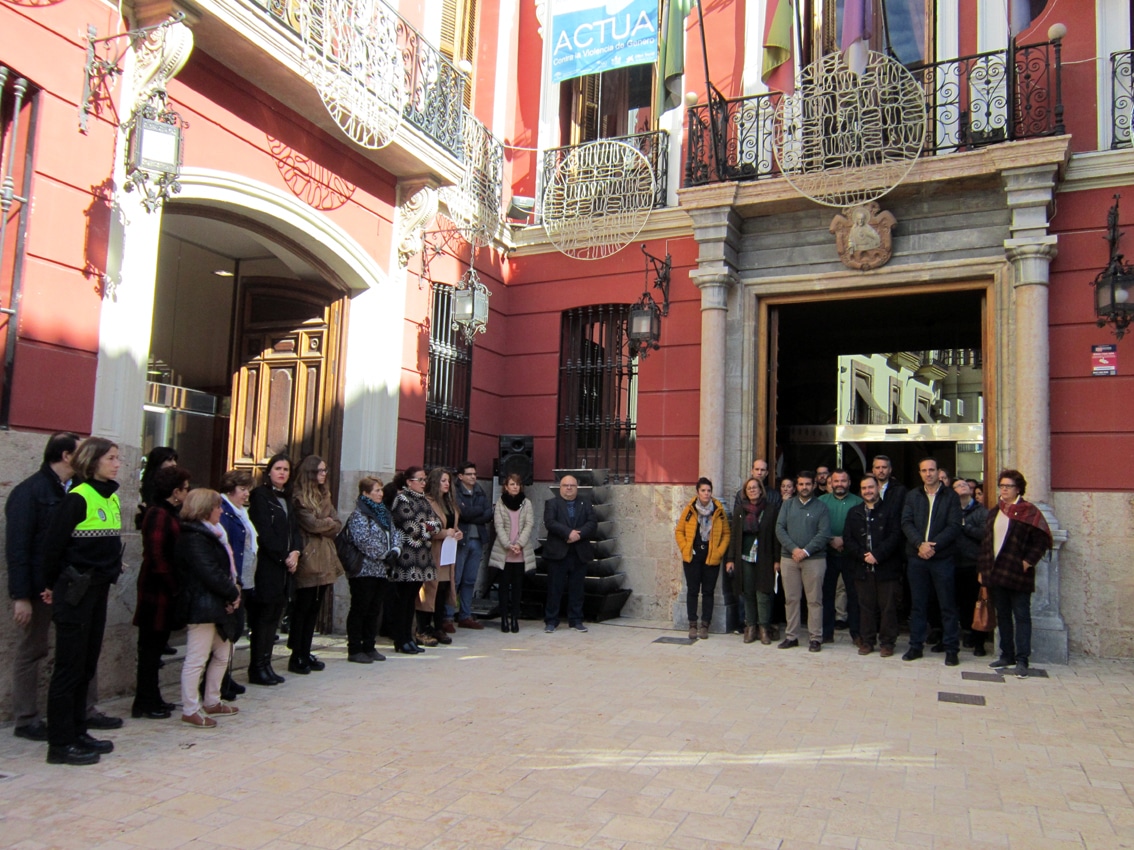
470,305
644,326
1114,285
154,156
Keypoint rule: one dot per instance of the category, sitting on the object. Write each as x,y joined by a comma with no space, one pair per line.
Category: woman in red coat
1015,539
157,587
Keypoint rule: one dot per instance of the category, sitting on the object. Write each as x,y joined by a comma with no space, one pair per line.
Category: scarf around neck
1025,512
513,503
705,518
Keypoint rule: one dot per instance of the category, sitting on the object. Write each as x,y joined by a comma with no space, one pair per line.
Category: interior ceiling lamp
1114,285
154,155
645,317
470,305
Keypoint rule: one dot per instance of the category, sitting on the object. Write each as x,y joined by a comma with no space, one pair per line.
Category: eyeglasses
417,480
1007,486
321,469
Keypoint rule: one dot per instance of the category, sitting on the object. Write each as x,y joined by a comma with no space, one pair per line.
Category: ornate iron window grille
598,393
449,385
973,101
1122,99
18,119
653,145
435,88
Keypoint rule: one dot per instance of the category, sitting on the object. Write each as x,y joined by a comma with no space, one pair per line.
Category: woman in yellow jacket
702,536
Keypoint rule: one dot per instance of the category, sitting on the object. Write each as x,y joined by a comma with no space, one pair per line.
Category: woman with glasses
418,524
157,587
277,555
319,564
1016,537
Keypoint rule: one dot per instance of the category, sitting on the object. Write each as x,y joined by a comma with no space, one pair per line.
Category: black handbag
350,555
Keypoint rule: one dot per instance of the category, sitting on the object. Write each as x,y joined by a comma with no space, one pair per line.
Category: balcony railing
1122,98
971,102
654,146
435,89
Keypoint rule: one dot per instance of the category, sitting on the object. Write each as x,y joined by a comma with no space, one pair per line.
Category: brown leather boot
765,635
693,630
703,631
749,634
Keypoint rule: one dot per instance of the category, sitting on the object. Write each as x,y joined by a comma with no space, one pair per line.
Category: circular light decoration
474,204
843,138
598,199
350,49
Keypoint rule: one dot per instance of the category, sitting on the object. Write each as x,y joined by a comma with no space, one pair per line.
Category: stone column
1030,250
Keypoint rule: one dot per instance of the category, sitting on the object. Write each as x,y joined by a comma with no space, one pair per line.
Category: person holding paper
435,594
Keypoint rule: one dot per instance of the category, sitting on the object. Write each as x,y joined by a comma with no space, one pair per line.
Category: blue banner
592,36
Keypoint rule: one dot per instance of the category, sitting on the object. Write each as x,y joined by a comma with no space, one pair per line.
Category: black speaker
516,456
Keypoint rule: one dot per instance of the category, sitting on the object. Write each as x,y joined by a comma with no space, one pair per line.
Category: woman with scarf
318,561
1016,537
277,556
154,615
418,524
752,539
209,600
513,550
703,535
372,532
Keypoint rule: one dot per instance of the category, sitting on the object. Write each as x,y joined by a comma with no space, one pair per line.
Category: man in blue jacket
931,522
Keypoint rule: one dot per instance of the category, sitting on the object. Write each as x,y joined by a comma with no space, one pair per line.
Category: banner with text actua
592,36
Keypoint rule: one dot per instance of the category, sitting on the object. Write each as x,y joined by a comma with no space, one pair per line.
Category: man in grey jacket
803,529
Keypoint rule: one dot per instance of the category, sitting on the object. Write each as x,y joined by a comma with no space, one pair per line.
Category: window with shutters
598,392
458,34
606,106
449,387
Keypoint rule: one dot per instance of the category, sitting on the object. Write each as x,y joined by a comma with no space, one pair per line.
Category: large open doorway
903,375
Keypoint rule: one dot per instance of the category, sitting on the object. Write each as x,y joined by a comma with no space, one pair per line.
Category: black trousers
511,589
304,613
878,610
263,620
400,613
147,693
78,643
432,621
567,574
366,596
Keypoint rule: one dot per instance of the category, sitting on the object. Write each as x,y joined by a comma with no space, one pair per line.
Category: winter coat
318,560
502,520
157,577
97,554
767,550
687,532
28,513
1024,542
878,532
206,579
277,535
373,538
444,573
557,519
415,520
973,520
944,525
475,509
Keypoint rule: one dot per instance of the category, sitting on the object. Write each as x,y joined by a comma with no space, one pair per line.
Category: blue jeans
839,565
1015,640
568,573
940,573
464,574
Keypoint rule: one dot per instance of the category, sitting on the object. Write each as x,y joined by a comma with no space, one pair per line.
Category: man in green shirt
839,501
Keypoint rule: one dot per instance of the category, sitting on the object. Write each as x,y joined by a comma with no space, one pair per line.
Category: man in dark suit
571,526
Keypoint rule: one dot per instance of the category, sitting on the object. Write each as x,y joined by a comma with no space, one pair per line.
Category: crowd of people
219,563
922,554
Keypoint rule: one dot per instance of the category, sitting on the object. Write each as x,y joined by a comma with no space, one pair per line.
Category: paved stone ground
608,740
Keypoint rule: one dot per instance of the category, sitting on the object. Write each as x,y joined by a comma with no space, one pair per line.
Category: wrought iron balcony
654,146
1122,99
971,102
435,88
474,204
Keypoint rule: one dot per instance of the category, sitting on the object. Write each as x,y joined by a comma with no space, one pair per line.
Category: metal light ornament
644,326
1114,285
470,305
154,158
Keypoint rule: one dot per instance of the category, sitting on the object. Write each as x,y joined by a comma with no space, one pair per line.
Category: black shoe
168,650
515,625
230,686
409,648
375,655
1021,671
815,646
841,624
32,731
951,659
71,755
912,654
315,664
84,740
279,679
937,647
150,713
830,639
504,624
299,666
98,720
261,676
579,627
979,651
788,643
1002,662
360,658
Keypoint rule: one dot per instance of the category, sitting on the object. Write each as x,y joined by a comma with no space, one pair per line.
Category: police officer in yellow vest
82,557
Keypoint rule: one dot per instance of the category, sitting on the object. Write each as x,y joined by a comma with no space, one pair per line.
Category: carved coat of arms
862,236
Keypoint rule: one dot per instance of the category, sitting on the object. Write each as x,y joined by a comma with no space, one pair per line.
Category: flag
671,55
778,70
858,24
1019,16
